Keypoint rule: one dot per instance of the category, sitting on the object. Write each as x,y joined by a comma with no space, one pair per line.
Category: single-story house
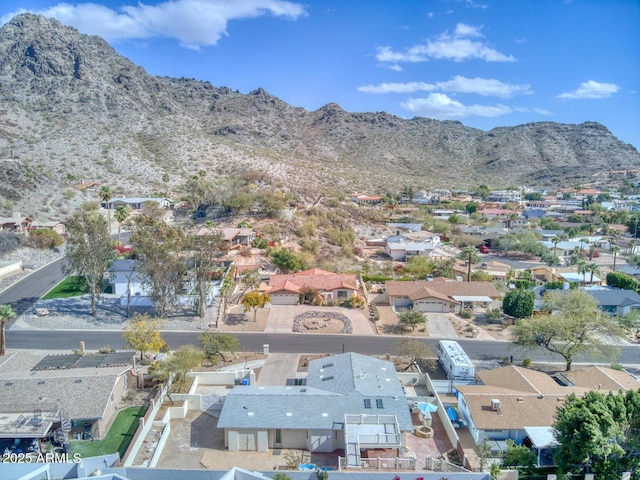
615,301
287,289
41,392
16,223
233,237
440,295
127,281
510,400
402,251
350,401
136,203
55,225
364,199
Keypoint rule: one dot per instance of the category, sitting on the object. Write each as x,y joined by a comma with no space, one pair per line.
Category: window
367,403
342,294
379,403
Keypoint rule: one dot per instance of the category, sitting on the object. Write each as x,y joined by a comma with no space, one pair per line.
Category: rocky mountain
71,107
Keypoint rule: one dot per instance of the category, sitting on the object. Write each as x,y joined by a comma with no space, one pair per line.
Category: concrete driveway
439,326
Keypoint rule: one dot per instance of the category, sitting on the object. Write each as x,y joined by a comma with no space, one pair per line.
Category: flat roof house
351,402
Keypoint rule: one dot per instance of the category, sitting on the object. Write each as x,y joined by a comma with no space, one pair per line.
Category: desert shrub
45,238
11,241
494,316
466,313
260,243
356,301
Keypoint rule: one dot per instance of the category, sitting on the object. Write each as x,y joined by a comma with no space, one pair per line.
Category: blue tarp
426,407
452,413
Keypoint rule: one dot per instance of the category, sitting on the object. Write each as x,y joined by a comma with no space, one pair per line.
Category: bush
466,313
260,243
10,241
494,316
526,362
518,303
621,280
356,301
45,238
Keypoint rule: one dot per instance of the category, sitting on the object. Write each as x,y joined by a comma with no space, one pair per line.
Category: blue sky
486,63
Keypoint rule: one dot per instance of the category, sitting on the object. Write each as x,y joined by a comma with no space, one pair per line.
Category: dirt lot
236,321
479,324
390,325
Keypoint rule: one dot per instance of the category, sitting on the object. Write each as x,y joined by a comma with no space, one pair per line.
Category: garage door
284,299
427,306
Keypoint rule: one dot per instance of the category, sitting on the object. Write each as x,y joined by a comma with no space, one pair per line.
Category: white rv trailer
455,361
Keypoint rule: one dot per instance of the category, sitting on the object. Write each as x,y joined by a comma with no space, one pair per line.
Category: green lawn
117,440
69,287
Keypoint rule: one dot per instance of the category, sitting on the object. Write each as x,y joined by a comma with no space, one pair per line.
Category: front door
278,442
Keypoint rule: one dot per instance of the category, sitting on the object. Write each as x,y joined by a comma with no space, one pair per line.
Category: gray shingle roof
336,386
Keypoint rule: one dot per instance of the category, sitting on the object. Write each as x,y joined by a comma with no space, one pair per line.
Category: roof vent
8,384
518,399
495,405
41,382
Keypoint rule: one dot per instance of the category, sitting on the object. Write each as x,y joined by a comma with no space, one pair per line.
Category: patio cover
472,298
541,437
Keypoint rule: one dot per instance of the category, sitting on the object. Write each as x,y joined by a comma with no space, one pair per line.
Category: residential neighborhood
349,412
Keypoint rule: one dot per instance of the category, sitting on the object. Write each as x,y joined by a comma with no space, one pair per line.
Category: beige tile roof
398,288
529,398
602,378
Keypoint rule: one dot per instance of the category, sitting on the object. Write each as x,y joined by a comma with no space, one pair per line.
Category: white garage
284,298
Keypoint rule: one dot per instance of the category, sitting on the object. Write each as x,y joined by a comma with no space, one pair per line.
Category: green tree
286,260
599,433
165,180
105,196
143,334
254,300
519,303
174,369
471,255
621,280
216,344
159,248
89,251
412,318
6,313
204,255
520,457
576,325
482,191
121,213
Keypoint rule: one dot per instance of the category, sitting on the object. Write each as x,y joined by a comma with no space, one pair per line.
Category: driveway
439,326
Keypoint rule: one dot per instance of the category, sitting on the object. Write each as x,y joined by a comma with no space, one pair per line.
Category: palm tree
615,250
592,267
555,240
470,254
6,313
121,214
582,269
105,196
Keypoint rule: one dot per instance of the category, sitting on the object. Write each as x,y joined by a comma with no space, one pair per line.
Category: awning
472,298
541,437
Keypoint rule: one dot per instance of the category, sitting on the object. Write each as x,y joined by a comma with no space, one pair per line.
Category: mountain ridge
73,107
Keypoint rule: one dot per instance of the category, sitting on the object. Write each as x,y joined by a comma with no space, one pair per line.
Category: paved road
27,291
294,343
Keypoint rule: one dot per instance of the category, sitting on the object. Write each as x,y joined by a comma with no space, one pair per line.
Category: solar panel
57,362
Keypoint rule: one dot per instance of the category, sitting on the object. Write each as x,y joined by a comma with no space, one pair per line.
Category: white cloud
194,23
592,89
462,44
487,87
441,106
398,87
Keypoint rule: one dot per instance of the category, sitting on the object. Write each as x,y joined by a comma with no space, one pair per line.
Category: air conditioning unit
495,405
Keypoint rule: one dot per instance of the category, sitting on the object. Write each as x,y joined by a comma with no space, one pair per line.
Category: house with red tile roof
288,289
